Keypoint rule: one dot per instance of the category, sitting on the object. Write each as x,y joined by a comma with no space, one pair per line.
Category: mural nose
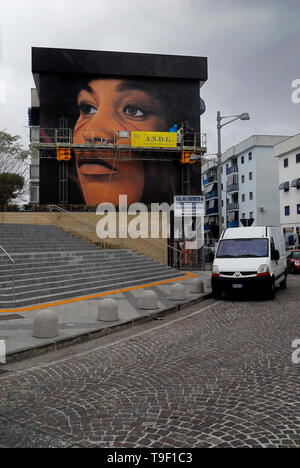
101,128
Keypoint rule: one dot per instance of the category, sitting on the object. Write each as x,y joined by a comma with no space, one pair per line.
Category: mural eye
87,109
133,111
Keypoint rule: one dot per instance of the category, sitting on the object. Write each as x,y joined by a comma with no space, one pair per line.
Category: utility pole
219,173
244,116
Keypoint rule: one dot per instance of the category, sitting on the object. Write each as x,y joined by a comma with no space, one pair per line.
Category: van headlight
216,272
263,270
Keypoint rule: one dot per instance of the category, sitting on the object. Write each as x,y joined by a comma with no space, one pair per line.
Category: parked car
293,261
252,258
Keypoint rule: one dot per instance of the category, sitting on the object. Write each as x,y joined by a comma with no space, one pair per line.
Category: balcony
233,188
233,224
233,207
209,180
232,170
211,195
212,211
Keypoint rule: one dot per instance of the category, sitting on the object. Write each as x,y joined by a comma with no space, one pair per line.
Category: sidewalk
78,320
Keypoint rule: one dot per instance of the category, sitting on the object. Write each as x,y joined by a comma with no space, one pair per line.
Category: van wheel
283,284
216,294
271,291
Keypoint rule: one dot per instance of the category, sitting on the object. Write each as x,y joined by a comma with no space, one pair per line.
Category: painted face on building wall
107,106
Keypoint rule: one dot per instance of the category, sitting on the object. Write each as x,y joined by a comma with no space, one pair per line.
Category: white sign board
189,206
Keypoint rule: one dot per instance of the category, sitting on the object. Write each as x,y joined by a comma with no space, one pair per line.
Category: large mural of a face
98,107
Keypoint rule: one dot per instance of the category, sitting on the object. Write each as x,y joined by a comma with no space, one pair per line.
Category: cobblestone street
215,375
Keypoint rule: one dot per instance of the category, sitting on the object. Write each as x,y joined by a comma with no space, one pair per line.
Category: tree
14,160
10,187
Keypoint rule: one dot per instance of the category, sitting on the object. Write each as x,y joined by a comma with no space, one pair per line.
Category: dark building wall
171,82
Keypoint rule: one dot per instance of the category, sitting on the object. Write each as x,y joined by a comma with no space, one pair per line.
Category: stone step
87,253
27,280
52,265
48,296
73,283
70,266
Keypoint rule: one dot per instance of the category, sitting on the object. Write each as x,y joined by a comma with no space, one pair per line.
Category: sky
252,49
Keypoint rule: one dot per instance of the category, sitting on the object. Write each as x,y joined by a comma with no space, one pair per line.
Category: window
298,158
286,162
251,215
287,211
243,248
221,170
243,198
243,159
250,156
222,187
250,175
251,195
34,194
244,216
34,172
298,209
272,246
243,179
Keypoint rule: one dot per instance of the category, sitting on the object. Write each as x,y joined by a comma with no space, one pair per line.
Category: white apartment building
250,192
288,155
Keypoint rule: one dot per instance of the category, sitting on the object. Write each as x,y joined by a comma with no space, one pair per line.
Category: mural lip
89,166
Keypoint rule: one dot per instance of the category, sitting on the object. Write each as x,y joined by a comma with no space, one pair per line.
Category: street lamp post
244,116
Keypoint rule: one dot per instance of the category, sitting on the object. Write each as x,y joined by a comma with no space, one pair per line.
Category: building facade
288,156
90,109
250,177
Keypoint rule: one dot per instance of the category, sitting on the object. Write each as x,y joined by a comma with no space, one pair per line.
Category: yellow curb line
96,296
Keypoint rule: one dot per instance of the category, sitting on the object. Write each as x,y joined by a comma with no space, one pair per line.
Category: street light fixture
244,116
195,157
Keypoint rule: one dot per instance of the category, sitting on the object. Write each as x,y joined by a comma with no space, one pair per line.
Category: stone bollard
178,292
209,285
148,301
197,286
45,324
108,311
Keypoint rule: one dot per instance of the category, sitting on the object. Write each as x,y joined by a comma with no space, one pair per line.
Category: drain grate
11,317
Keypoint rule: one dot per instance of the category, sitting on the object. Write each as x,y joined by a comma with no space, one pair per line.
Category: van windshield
243,248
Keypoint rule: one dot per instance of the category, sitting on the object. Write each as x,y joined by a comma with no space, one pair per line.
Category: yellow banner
153,140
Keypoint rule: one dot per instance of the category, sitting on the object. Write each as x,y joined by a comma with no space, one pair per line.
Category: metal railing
51,137
14,271
129,243
232,170
162,246
77,218
233,207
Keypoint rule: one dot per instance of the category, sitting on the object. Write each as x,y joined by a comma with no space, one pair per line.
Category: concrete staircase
51,265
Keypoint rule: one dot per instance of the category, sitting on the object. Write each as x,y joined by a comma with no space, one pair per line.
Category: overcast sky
252,47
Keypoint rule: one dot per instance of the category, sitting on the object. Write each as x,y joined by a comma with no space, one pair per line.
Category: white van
250,258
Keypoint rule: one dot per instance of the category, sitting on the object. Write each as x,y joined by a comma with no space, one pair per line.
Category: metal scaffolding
49,142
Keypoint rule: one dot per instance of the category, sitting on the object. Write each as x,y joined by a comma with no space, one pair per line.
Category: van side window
272,246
